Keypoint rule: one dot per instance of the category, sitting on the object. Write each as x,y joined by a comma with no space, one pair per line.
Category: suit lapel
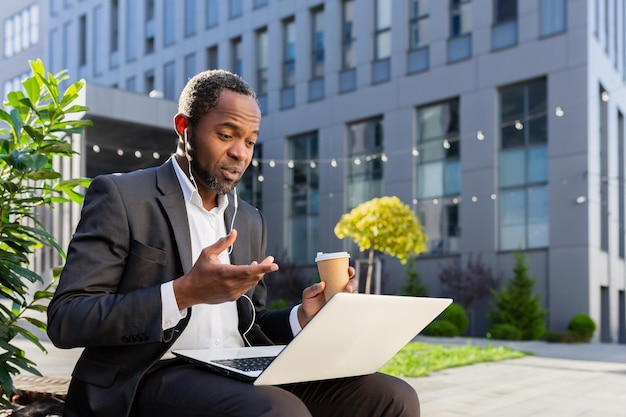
173,203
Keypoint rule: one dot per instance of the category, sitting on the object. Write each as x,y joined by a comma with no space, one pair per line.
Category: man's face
221,144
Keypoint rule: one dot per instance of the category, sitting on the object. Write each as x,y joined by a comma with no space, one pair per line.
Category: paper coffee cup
333,269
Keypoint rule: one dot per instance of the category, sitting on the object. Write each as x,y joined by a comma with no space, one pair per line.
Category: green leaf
16,123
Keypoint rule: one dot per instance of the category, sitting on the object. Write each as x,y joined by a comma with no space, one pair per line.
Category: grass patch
420,359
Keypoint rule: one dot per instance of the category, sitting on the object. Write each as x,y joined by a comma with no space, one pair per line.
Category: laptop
353,334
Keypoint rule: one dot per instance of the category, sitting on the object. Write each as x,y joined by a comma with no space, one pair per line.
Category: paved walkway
587,380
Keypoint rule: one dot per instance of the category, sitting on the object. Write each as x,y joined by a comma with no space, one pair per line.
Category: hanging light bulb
290,164
559,111
272,163
95,148
480,135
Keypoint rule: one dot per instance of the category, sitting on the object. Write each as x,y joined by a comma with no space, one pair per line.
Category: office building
500,122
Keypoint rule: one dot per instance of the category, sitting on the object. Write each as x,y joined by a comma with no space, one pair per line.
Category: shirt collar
190,193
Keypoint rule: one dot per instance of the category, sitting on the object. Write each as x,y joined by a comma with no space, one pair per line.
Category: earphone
193,181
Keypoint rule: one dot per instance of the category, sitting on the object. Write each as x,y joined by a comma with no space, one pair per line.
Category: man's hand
211,282
313,298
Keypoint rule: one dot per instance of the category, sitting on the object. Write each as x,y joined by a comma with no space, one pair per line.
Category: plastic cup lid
321,256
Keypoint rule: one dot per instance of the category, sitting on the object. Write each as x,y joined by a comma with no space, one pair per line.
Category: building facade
500,122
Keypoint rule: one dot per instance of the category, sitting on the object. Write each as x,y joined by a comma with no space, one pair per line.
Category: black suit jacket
132,237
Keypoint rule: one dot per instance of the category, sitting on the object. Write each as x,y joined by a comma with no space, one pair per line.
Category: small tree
33,130
383,224
465,286
413,285
517,305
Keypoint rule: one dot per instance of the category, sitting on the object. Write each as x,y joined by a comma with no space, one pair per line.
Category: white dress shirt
210,325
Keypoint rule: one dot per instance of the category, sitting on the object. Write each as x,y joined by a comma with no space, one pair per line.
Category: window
131,31
169,81
347,76
603,180
553,16
287,94
317,43
261,68
419,21
235,8
621,185
169,22
316,80
460,41
114,33
190,18
212,13
190,67
381,67
82,40
348,60
250,187
523,166
148,82
236,56
211,57
149,28
504,30
303,180
260,3
97,29
365,170
439,175
131,84
21,30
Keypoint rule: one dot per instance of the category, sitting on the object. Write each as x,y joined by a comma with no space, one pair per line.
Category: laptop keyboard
247,364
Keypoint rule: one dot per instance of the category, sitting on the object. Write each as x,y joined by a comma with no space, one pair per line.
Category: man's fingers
222,244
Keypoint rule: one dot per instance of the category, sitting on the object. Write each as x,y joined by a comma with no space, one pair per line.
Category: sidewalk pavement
586,380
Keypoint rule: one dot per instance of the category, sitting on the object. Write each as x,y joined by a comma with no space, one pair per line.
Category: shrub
561,337
441,328
582,326
517,304
504,331
456,315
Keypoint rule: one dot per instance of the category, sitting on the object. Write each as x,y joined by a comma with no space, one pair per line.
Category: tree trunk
370,268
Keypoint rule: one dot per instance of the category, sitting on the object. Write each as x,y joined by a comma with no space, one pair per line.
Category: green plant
441,328
383,224
456,315
504,331
517,305
465,286
582,326
35,123
413,286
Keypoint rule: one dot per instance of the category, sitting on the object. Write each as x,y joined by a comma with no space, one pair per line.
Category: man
169,258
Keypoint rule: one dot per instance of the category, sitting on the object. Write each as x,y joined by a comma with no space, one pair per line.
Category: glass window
366,152
169,81
348,59
21,30
190,67
250,187
82,40
235,8
211,57
303,180
317,43
523,166
418,24
212,13
236,59
149,28
460,17
439,175
289,53
382,36
97,25
505,10
131,31
169,22
190,18
261,62
553,16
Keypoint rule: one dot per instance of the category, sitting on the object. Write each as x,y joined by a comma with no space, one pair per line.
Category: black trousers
184,390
